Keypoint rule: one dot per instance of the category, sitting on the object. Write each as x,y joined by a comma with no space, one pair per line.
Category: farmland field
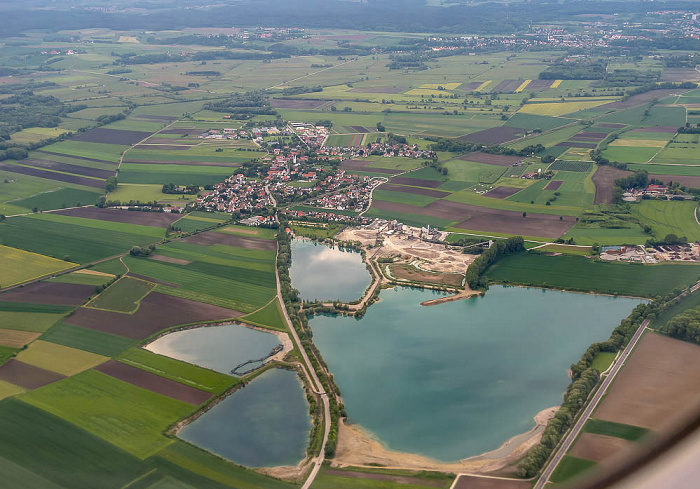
87,339
184,373
123,295
58,358
65,239
136,416
578,273
21,266
671,217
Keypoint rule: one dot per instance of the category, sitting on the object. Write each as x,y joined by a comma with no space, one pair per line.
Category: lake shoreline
358,447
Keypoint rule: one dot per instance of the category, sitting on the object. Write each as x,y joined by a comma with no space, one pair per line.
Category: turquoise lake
459,379
324,273
219,348
264,424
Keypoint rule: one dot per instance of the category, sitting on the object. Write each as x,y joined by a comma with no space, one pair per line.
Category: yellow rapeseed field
559,108
19,266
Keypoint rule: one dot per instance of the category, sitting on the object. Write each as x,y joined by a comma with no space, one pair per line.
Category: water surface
459,379
324,273
265,424
220,348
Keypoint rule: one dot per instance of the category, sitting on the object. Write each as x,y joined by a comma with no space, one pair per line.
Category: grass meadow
579,273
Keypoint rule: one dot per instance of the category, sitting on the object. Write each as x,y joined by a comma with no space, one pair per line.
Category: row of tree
685,326
585,379
490,256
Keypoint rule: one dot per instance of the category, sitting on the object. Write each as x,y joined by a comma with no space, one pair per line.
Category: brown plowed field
16,339
684,180
604,180
27,376
414,190
210,238
640,99
153,382
553,185
68,168
156,312
279,103
50,175
360,129
361,165
50,293
577,144
500,160
110,136
507,86
156,219
399,479
469,86
484,219
680,75
658,382
591,135
495,135
600,448
539,84
417,182
502,192
476,482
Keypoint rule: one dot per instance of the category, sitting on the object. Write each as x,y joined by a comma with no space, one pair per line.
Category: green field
579,273
231,277
570,467
53,450
141,173
82,278
58,198
182,372
618,430
124,295
20,266
98,151
125,415
127,192
270,316
403,197
667,169
62,239
89,340
669,217
689,302
603,360
36,322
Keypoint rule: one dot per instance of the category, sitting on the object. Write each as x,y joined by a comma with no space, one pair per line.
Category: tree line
497,250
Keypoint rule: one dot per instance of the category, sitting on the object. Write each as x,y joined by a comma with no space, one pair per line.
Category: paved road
315,385
571,437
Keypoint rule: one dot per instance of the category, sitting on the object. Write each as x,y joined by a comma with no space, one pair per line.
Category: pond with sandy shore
459,379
